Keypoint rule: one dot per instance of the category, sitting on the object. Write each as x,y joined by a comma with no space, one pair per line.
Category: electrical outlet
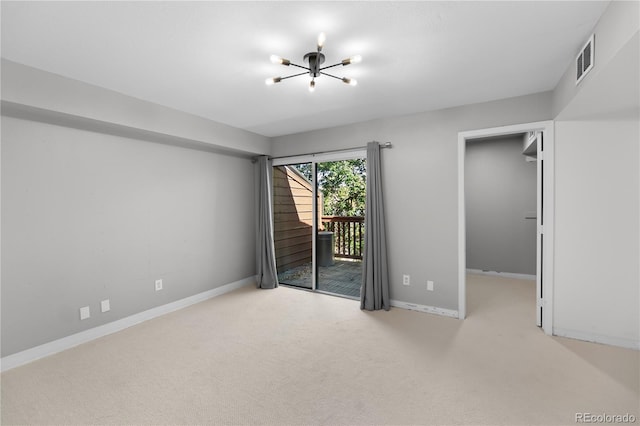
85,313
105,306
158,285
430,285
406,279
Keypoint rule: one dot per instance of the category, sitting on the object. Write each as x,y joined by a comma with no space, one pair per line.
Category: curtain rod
382,145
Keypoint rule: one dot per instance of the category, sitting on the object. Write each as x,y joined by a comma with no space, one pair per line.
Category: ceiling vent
584,61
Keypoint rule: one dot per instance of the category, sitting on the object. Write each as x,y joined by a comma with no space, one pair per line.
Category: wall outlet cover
430,285
85,313
406,279
105,305
158,285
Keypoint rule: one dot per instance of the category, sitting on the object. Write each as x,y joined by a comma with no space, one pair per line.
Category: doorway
542,132
319,222
500,211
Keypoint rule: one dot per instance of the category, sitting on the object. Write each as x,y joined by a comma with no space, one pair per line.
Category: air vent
584,61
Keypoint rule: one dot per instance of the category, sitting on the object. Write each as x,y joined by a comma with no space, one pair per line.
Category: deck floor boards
343,278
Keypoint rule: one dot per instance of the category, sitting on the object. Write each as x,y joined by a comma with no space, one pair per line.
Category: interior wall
617,25
500,193
420,182
49,95
597,157
597,246
88,216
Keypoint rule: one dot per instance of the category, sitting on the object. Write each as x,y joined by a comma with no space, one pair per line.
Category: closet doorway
526,225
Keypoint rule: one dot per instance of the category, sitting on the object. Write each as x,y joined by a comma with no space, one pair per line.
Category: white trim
598,338
424,308
502,274
547,127
462,231
29,355
347,154
549,225
314,228
539,227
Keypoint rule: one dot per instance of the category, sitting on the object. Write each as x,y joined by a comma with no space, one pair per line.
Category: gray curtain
267,273
374,293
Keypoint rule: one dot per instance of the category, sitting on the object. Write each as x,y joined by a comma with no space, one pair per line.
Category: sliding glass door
293,199
319,222
341,185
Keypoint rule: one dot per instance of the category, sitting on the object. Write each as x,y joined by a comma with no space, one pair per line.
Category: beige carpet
287,356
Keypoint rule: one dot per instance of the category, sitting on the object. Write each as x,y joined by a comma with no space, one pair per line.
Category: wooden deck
343,278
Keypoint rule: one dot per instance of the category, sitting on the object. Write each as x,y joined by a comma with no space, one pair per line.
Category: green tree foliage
342,184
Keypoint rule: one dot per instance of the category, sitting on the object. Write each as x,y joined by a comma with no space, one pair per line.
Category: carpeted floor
286,356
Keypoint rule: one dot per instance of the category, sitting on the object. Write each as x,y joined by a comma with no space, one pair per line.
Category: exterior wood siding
293,217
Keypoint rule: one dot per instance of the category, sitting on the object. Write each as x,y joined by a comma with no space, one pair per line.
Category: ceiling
211,58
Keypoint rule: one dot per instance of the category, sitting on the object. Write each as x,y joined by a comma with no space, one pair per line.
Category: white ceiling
211,58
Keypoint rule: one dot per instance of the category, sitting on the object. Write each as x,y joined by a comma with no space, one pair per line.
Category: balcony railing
348,232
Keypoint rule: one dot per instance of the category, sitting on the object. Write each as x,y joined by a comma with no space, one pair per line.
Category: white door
540,227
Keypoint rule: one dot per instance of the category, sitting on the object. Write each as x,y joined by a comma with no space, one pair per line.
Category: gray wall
420,179
597,232
88,216
500,189
93,106
615,28
102,194
597,244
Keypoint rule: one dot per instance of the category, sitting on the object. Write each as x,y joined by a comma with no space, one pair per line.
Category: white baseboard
35,353
424,308
502,274
597,338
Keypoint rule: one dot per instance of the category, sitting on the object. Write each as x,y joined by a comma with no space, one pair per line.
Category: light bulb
273,80
312,86
350,81
352,60
278,60
321,39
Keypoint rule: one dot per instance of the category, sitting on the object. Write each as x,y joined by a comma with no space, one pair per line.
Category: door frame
314,159
547,128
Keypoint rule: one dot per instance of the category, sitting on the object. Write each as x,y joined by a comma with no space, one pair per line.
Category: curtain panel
374,293
267,272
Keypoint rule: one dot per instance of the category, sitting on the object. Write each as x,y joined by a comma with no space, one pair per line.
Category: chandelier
314,60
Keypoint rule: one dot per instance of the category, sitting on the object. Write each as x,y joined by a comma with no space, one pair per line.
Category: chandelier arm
294,75
331,66
329,75
300,66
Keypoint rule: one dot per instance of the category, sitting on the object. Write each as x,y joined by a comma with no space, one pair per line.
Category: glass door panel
340,234
293,223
